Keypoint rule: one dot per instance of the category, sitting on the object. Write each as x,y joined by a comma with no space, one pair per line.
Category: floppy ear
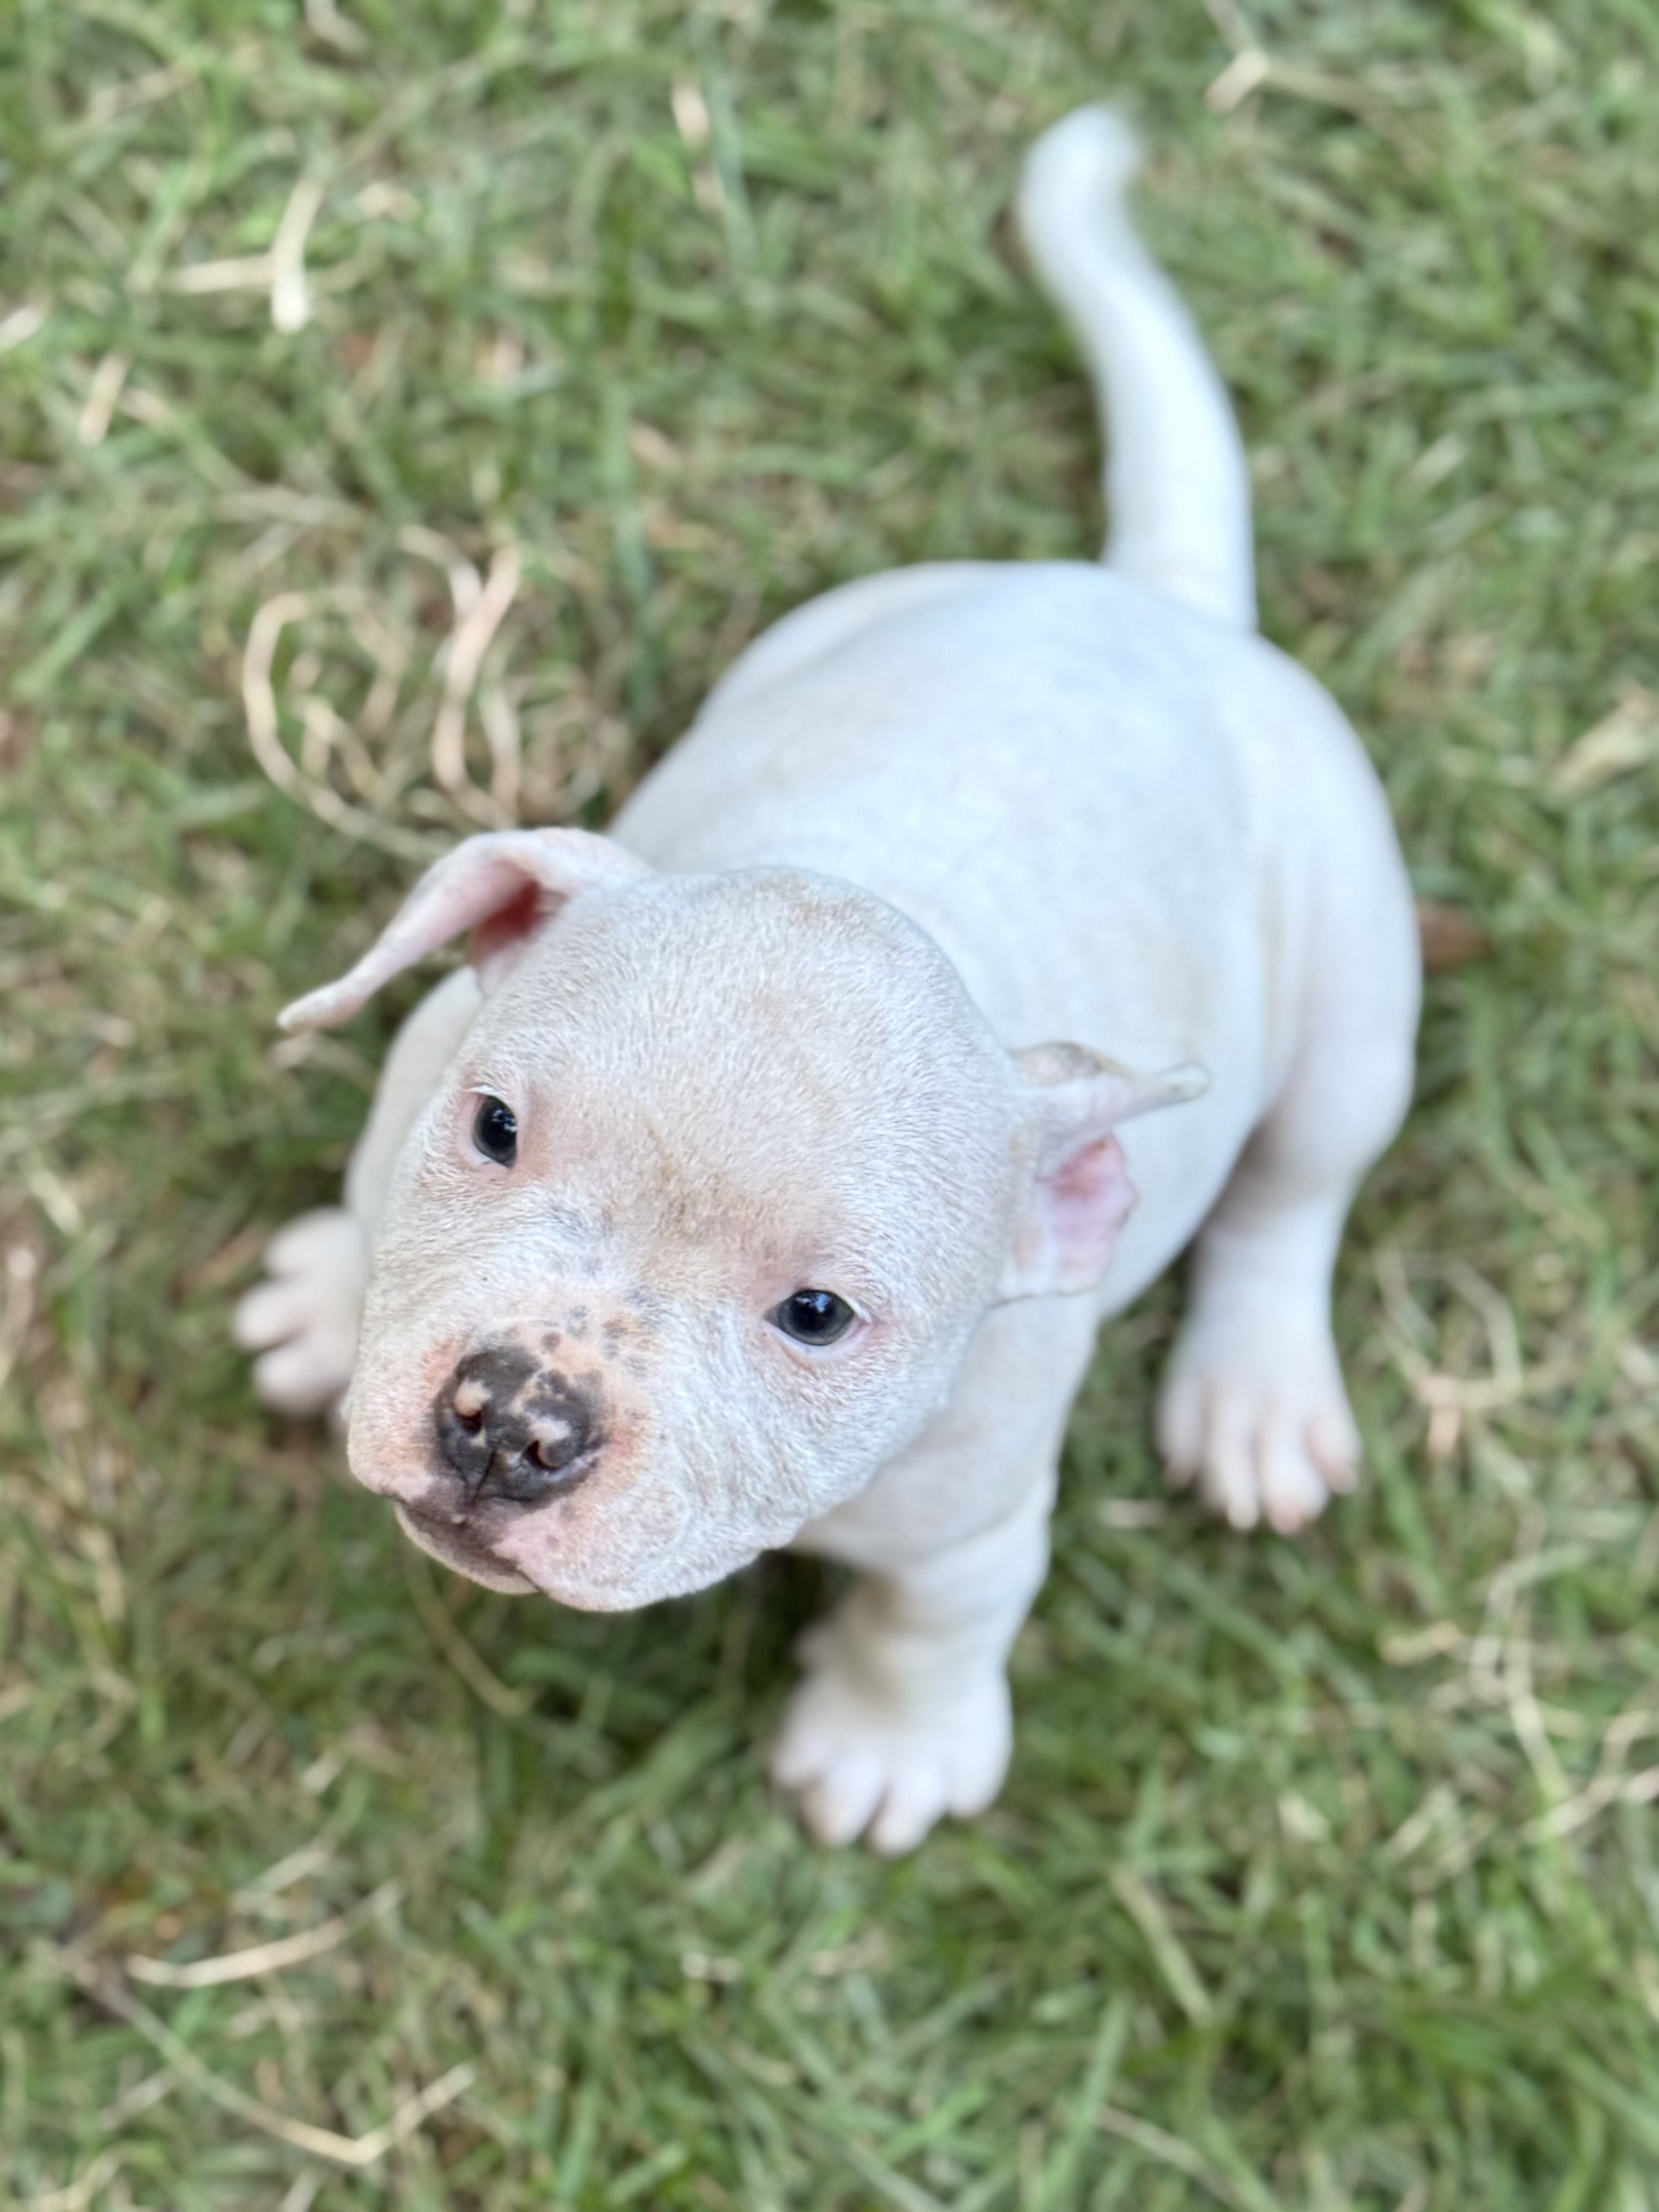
1077,1192
502,887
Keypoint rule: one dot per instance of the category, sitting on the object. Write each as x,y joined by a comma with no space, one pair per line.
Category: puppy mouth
454,1541
461,1545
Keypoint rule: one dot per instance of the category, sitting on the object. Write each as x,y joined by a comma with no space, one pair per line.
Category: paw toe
1227,1477
269,1314
1333,1442
1292,1492
327,1244
913,1802
885,1770
838,1806
796,1755
1264,1424
300,1378
1180,1432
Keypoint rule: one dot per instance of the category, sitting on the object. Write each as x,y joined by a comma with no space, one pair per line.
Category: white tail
1175,477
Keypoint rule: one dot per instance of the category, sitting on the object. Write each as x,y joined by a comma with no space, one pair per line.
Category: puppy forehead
759,1061
744,988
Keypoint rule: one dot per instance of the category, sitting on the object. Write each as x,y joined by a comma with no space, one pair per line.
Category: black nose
509,1428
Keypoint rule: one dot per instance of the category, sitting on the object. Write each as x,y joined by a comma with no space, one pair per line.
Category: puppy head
694,1234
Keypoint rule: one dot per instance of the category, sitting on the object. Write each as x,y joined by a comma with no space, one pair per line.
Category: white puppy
764,1179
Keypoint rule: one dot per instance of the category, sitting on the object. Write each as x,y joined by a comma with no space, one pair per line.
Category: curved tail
1176,481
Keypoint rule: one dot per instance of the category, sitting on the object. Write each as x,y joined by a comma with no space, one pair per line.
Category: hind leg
1253,1408
303,1319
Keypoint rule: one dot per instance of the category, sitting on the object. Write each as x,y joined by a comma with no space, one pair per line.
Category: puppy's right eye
496,1132
813,1316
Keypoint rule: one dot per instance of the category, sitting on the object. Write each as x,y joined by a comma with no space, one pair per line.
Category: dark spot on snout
508,1427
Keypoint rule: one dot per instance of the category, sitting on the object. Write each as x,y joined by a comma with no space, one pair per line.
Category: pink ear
1082,1204
1077,1192
503,887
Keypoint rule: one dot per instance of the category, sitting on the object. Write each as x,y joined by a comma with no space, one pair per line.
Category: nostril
551,1449
470,1404
464,1415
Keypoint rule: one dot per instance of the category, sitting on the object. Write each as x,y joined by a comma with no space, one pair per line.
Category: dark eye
813,1316
496,1132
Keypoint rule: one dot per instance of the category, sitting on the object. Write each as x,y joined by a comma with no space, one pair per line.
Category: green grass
1327,1874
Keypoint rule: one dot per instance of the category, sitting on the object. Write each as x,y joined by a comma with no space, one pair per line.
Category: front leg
904,1712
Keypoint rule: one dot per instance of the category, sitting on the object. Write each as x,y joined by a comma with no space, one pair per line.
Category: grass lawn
1328,1873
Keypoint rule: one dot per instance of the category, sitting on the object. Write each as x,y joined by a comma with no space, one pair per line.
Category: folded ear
503,887
1077,1192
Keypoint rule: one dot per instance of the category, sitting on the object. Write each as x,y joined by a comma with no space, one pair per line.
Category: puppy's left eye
496,1132
813,1316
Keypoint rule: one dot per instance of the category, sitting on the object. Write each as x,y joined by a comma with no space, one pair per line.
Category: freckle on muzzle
508,1428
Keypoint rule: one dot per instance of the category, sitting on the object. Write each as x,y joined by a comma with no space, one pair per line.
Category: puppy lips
657,1581
603,1552
634,1591
469,1551
462,1548
546,1549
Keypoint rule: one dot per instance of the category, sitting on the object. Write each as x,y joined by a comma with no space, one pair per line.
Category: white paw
303,1319
880,1766
1260,1420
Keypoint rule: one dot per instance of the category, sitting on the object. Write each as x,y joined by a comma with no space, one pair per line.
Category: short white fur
850,997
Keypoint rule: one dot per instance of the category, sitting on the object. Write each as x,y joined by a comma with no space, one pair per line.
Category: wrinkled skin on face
726,1088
